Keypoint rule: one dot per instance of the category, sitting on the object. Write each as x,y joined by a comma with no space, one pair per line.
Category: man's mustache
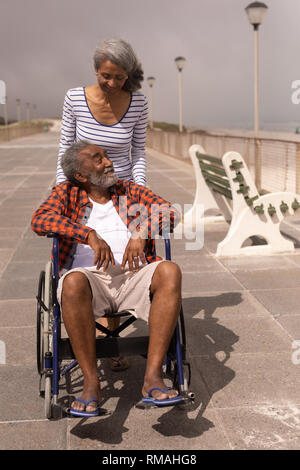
109,170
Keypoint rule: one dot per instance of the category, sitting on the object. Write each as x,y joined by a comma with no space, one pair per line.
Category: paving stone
236,334
210,282
279,302
20,312
263,427
219,306
33,435
39,181
23,269
8,243
251,379
18,289
11,181
291,324
10,232
20,345
196,262
269,279
294,258
19,393
5,256
31,250
257,262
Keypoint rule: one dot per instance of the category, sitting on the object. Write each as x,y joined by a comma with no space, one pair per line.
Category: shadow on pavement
208,343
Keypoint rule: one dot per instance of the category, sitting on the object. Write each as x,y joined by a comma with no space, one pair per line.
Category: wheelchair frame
52,349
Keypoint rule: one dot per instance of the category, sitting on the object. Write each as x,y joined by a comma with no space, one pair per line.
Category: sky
46,47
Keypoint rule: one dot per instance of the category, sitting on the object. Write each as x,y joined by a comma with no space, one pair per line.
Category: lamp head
151,81
180,63
256,12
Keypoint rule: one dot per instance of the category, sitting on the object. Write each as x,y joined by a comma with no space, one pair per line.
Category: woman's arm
67,137
138,153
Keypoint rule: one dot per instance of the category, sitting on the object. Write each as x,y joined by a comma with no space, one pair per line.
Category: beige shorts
116,290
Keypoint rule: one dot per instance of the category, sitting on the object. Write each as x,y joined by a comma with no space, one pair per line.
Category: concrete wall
13,131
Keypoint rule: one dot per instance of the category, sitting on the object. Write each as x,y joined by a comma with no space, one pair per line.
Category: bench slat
212,168
218,179
203,156
220,189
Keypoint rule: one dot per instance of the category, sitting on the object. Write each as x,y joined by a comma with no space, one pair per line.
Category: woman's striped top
78,123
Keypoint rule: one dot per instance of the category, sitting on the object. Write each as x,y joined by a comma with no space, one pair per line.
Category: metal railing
274,160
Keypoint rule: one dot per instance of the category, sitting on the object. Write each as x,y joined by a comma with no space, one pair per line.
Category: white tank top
105,220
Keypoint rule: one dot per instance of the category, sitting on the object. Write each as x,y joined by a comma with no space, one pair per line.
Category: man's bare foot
90,390
158,394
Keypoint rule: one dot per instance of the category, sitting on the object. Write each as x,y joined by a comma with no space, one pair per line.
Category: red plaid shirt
66,210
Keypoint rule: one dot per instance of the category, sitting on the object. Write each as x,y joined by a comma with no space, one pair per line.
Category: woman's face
111,78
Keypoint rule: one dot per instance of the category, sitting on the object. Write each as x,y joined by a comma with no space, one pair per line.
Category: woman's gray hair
70,161
121,54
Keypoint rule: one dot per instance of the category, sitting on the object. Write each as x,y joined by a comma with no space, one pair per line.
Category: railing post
258,163
298,168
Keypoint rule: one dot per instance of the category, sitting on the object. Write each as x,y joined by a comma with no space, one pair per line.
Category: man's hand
134,252
103,253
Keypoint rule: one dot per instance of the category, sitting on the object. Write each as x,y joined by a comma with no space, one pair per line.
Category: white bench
227,184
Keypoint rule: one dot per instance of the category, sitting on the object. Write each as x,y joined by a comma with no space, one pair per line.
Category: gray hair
121,54
70,161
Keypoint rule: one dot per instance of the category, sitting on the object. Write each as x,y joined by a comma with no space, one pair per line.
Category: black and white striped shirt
78,123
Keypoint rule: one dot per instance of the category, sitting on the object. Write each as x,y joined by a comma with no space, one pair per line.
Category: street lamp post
151,81
256,12
27,112
18,102
180,63
3,100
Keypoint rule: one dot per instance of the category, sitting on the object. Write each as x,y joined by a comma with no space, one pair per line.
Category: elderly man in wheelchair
108,263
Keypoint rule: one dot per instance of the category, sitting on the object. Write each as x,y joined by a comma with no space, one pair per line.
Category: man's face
96,167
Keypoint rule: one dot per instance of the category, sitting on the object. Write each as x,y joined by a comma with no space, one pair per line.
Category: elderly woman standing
111,114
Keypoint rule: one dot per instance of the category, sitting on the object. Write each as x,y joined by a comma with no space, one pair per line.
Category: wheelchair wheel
40,323
48,397
44,333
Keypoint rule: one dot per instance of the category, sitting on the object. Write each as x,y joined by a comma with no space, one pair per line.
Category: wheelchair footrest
109,347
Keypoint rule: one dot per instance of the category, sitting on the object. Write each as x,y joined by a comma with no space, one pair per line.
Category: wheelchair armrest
51,235
166,237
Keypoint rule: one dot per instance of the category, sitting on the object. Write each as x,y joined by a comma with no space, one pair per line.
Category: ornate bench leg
248,225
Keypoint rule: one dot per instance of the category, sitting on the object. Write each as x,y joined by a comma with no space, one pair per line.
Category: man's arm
49,217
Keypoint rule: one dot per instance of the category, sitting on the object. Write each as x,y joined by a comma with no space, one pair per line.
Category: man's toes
163,394
91,407
78,406
172,393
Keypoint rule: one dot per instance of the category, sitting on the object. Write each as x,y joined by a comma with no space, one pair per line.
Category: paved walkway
242,316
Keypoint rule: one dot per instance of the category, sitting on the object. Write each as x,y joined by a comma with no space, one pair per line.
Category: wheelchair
53,349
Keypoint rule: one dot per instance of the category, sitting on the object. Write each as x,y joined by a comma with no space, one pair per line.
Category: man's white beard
104,180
